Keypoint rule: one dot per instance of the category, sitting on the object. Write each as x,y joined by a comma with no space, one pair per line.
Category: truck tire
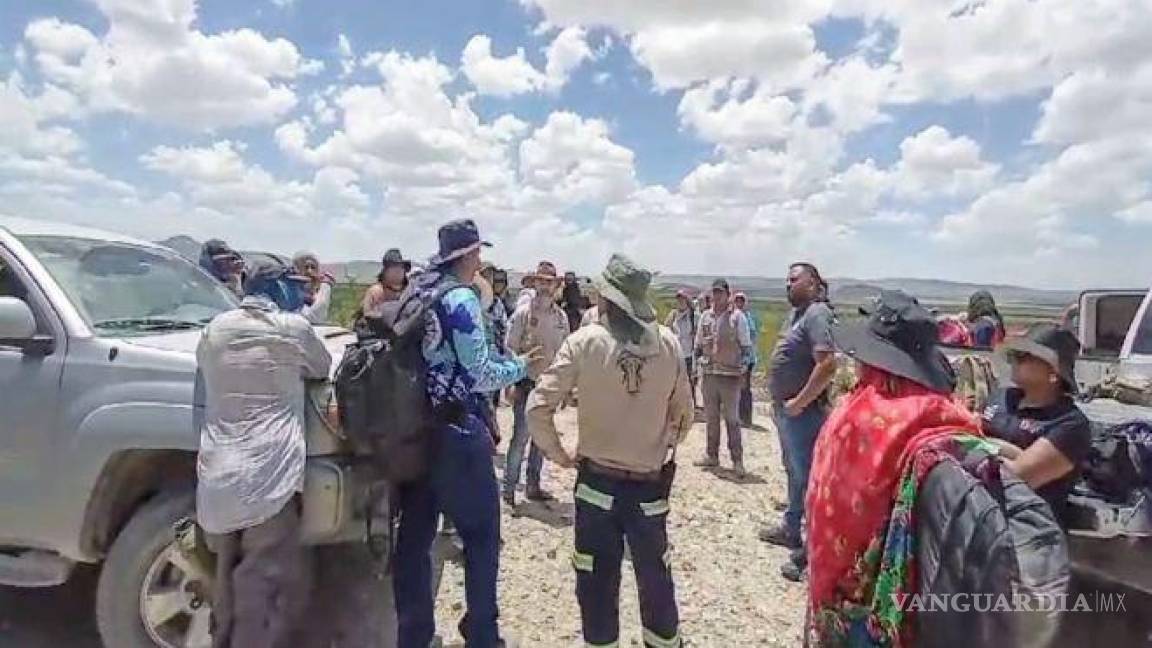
140,584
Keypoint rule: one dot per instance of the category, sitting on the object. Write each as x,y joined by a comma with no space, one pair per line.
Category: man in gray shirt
802,367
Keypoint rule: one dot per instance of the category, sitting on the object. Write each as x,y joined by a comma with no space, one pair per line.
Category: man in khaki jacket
635,407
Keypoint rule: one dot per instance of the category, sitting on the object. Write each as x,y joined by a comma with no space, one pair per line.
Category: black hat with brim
898,336
393,257
457,238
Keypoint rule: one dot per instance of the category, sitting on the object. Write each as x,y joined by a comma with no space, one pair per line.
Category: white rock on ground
728,582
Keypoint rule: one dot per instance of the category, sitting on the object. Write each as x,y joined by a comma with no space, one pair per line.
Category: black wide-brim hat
457,238
1056,346
393,257
898,336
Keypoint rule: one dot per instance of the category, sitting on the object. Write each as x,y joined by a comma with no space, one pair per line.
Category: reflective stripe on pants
608,511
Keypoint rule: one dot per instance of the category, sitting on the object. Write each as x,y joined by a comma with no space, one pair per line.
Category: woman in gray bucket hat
1043,435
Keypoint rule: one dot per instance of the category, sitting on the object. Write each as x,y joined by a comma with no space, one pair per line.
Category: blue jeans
462,485
518,444
797,441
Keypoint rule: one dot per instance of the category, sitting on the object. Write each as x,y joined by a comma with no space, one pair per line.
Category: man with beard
539,323
802,367
572,301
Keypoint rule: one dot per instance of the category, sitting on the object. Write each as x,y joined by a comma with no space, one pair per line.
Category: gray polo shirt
802,334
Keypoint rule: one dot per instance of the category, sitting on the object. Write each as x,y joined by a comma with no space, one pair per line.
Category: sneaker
510,498
780,536
538,494
706,462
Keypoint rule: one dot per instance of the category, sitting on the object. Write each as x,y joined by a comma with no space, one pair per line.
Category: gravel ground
727,581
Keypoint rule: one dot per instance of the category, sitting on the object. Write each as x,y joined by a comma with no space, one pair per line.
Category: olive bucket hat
626,284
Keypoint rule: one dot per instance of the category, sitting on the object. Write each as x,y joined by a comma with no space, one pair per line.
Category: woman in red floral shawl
870,458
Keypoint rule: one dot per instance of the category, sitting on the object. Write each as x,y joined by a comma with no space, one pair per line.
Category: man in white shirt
253,362
683,321
315,309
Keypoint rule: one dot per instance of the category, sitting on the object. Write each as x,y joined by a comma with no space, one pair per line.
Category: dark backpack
381,386
981,531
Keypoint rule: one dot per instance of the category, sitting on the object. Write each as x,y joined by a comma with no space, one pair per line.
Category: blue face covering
287,294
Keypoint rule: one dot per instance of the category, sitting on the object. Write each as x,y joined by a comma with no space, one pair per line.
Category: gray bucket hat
626,284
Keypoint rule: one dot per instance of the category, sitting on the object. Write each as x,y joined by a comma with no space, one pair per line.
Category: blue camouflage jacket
462,365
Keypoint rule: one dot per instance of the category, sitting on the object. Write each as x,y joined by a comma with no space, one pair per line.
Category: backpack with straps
381,383
982,533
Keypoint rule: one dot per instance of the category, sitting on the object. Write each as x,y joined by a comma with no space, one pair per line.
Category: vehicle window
1143,342
10,284
1114,315
123,289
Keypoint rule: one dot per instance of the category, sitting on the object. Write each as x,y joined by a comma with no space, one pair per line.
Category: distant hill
185,246
855,291
934,292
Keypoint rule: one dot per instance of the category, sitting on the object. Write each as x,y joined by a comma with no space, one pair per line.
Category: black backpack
1120,463
381,384
982,533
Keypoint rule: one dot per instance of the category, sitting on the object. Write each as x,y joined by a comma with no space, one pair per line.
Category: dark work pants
746,400
608,511
262,583
690,367
463,486
722,403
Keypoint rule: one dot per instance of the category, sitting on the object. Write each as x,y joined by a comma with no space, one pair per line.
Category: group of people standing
636,384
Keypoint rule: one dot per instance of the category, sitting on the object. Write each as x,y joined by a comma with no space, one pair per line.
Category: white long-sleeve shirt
317,311
253,362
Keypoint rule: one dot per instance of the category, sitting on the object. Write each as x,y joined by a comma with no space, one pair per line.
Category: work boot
781,536
738,468
537,494
796,566
790,571
706,462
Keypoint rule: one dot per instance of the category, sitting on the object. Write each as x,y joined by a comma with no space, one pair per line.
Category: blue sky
996,141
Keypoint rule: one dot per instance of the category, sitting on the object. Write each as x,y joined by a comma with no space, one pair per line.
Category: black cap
721,284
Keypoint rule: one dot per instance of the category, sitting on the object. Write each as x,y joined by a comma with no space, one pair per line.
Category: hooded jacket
635,401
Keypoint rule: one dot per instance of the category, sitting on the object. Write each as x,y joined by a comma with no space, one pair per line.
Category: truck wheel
149,596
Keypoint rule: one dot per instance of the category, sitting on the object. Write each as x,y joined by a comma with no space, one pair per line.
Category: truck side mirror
18,328
16,320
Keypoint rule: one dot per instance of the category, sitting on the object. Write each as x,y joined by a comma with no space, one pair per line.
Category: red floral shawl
863,450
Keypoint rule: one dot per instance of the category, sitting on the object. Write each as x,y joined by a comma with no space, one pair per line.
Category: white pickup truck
97,427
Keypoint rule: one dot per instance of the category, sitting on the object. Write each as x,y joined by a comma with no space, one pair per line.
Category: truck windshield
123,289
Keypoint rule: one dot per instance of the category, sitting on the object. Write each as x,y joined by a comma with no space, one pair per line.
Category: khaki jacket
537,325
635,402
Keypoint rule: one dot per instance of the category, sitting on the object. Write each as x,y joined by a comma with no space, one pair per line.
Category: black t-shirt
1063,424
